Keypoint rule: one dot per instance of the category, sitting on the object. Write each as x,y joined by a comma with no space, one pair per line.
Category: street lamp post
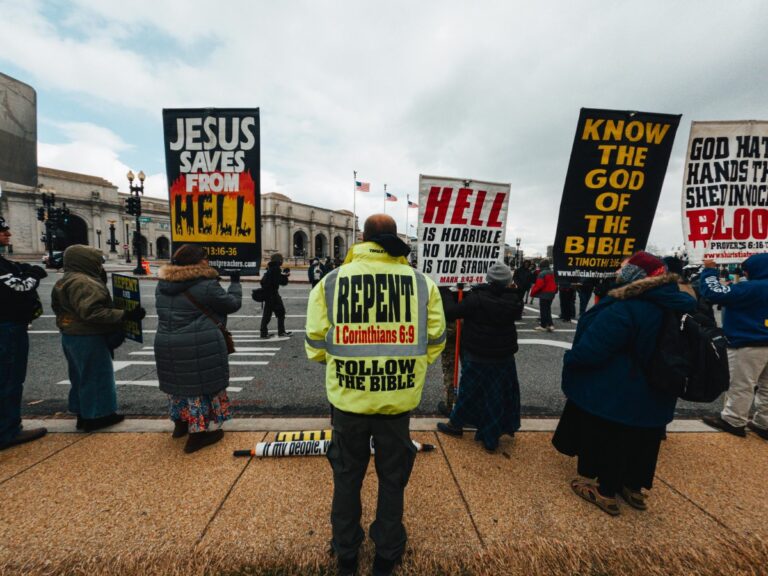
134,209
517,252
112,242
127,245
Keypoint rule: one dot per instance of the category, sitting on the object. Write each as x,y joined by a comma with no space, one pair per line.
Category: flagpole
354,206
385,198
407,209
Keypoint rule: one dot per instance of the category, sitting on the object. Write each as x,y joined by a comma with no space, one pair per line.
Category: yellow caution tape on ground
303,435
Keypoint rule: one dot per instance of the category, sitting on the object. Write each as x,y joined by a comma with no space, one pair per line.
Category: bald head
378,224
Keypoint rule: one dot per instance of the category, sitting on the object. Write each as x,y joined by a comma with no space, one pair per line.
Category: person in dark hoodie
273,278
745,323
91,328
613,420
489,391
190,348
19,305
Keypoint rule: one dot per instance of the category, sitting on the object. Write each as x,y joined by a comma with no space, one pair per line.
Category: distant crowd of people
376,323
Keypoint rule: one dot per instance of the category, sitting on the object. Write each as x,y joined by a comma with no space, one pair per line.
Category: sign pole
458,349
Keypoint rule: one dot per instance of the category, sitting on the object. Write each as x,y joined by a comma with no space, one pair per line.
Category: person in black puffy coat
489,391
190,349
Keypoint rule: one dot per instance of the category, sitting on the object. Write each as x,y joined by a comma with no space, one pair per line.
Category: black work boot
93,424
384,567
346,566
180,428
198,440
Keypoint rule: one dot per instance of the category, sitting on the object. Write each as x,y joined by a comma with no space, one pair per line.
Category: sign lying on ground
725,191
213,166
612,187
462,226
125,293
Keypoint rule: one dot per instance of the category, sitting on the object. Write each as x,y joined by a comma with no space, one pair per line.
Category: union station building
98,218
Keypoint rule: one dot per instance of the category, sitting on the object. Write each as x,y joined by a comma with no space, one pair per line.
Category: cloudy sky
486,90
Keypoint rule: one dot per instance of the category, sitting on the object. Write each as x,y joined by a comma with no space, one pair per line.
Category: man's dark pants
349,454
273,305
14,350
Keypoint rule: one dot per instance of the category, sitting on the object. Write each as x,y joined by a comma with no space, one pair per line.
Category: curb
142,425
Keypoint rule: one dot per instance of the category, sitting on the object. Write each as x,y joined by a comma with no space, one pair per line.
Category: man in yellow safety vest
377,324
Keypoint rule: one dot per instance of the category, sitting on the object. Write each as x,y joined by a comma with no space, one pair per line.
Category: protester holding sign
745,322
489,395
91,327
190,346
613,420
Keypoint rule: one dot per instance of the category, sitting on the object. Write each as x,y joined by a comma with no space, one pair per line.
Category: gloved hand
37,272
234,277
135,315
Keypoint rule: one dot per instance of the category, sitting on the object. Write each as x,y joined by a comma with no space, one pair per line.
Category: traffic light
133,206
129,205
41,214
64,216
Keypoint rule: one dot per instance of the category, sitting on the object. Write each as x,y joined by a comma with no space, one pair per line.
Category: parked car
56,261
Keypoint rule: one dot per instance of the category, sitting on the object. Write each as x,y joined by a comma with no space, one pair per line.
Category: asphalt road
274,377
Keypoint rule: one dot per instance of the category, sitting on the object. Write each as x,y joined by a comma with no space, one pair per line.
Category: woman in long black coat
489,391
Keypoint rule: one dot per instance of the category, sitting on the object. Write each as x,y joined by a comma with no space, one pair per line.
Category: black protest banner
126,295
725,191
462,224
213,165
612,187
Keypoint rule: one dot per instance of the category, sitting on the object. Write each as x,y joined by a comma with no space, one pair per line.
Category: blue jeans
89,361
14,350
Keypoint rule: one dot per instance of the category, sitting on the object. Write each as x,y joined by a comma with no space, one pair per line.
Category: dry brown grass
535,557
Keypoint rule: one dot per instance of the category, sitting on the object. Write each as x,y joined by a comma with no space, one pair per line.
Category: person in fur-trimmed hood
190,349
613,421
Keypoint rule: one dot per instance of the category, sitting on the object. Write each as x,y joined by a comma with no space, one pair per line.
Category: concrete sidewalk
134,503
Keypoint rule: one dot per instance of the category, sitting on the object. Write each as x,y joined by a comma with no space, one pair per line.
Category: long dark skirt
489,398
616,454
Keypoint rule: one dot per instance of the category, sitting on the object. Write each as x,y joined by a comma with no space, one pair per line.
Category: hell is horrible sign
213,166
462,226
725,191
612,187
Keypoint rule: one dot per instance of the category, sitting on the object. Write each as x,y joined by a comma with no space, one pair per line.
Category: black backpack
691,358
259,295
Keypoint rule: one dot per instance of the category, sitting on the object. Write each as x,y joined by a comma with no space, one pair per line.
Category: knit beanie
640,265
3,225
499,273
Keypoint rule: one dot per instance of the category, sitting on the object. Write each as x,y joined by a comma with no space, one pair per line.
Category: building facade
98,218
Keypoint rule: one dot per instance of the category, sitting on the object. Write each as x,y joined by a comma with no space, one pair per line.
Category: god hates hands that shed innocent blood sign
462,226
614,179
213,166
725,191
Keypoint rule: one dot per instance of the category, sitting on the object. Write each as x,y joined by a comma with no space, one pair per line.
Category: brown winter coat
80,299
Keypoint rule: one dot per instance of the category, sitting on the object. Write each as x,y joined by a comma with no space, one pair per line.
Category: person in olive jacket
489,391
91,327
190,348
614,420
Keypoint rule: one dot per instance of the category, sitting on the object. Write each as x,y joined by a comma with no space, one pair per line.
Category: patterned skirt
489,398
200,412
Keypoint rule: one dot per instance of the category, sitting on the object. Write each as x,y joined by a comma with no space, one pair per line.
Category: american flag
362,186
412,204
390,197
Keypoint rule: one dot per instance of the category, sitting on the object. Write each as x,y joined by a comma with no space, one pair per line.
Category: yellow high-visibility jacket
376,323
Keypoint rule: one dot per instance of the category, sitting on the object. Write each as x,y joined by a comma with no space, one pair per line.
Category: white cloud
485,91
